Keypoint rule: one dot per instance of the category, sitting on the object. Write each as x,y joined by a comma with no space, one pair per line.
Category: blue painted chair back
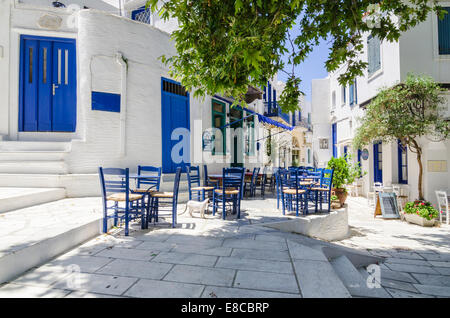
255,175
233,178
193,176
154,181
114,180
327,178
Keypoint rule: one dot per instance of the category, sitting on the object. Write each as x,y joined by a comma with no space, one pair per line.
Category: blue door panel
64,78
47,85
174,114
378,162
30,87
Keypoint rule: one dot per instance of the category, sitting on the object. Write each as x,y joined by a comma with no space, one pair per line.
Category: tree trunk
419,160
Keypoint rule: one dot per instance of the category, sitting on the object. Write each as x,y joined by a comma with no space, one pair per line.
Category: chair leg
214,203
127,218
316,201
116,217
174,215
224,212
105,220
143,214
296,208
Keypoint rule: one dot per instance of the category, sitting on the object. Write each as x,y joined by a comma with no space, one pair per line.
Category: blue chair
293,195
261,182
231,192
196,192
206,181
150,183
323,192
166,201
251,186
115,183
280,173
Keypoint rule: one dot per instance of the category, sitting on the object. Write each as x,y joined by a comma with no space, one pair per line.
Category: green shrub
421,208
345,172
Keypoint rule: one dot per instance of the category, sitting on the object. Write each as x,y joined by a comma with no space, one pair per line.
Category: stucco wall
4,65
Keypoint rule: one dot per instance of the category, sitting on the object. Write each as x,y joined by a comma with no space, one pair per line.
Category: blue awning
267,120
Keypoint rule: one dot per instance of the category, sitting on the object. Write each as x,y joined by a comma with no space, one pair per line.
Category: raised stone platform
328,227
32,236
18,198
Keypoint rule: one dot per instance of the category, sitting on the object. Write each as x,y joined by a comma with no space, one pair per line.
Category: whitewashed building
82,86
336,109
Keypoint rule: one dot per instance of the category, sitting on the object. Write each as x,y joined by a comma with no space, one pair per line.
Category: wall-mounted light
58,4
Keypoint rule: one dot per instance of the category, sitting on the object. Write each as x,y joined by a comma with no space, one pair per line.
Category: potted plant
421,213
335,204
345,172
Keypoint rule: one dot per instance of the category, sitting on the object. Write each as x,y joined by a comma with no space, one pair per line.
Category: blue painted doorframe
378,162
47,84
174,114
334,139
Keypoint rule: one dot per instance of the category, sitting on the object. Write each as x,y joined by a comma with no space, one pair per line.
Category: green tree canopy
406,112
225,45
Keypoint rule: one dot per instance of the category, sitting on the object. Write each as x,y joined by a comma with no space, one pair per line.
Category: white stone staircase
30,173
333,272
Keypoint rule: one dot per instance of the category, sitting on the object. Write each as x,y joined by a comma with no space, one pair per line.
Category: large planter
341,194
416,219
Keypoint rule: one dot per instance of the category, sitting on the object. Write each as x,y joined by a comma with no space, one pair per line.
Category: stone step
18,198
32,236
315,274
32,156
353,280
30,180
38,146
33,167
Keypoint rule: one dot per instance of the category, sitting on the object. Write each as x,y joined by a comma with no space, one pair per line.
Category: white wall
4,65
320,118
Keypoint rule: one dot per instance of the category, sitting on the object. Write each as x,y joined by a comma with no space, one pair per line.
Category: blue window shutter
444,33
356,93
351,94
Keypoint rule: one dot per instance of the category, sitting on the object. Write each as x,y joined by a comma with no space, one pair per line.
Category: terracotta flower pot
341,194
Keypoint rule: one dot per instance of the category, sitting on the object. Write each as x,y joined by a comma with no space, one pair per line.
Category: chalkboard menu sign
387,206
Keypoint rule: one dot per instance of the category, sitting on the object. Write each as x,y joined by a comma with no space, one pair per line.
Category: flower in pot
335,203
345,172
421,213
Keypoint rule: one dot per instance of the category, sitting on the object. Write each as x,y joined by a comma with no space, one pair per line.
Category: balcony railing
272,109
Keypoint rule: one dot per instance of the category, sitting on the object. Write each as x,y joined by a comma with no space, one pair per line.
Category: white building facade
82,86
337,109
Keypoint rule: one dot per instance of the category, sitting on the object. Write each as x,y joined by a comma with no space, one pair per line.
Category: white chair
377,187
402,193
443,205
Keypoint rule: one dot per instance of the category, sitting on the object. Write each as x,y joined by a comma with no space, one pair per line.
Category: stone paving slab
317,279
201,275
146,288
186,259
256,265
261,254
266,281
41,277
407,261
434,280
440,291
228,292
21,291
411,268
196,249
298,251
396,293
86,264
395,284
103,284
134,268
128,253
252,244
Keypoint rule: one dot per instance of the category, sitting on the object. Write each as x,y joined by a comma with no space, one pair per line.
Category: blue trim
334,139
167,116
377,164
106,102
401,178
134,13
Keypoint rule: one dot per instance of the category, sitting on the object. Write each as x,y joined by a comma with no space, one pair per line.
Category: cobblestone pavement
239,258
417,259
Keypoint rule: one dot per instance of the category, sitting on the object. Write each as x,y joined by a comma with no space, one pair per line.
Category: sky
312,68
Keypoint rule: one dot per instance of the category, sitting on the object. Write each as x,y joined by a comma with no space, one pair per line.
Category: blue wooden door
334,139
174,114
48,86
378,162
